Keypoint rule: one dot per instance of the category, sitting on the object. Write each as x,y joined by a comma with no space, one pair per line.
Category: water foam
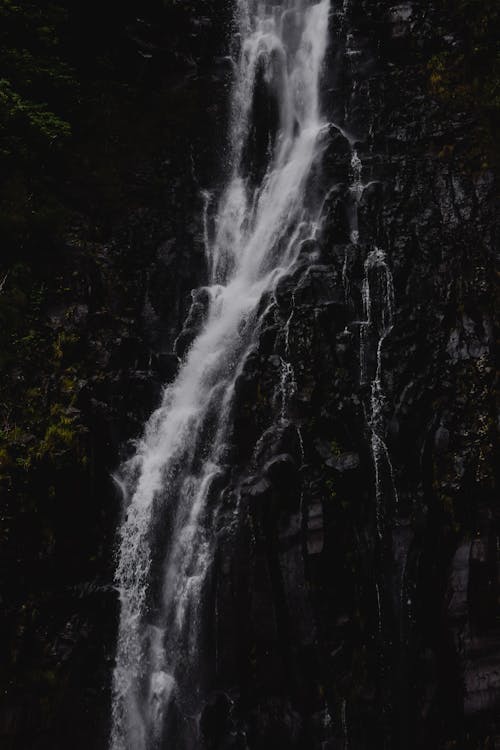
167,532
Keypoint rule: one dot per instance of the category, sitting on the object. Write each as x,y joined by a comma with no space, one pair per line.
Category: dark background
113,119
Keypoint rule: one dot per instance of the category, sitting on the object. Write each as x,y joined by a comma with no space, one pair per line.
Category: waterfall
288,384
167,536
356,189
378,304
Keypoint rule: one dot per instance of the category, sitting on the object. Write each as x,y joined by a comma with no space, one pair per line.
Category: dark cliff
340,618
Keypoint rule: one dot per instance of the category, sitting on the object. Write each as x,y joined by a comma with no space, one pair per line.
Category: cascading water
288,384
378,303
356,190
166,539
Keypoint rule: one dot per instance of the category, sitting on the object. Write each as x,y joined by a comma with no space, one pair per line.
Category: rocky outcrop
349,616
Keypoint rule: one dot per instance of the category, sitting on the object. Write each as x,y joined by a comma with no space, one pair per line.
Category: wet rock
442,439
333,458
257,489
281,470
400,18
315,529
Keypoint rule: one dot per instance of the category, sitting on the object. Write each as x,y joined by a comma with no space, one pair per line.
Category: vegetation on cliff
464,74
91,97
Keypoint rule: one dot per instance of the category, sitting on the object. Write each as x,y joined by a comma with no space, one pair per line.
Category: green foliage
335,448
330,486
64,345
466,77
39,384
25,124
60,436
33,77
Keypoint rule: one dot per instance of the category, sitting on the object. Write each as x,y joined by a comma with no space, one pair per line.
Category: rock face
355,604
365,617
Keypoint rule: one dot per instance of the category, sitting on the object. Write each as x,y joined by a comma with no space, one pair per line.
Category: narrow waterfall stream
378,304
166,540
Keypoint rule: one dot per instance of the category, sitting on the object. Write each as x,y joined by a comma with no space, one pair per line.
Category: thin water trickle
344,724
288,384
379,609
377,290
166,539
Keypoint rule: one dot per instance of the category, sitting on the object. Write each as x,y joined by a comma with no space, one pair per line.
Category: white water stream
166,539
378,287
